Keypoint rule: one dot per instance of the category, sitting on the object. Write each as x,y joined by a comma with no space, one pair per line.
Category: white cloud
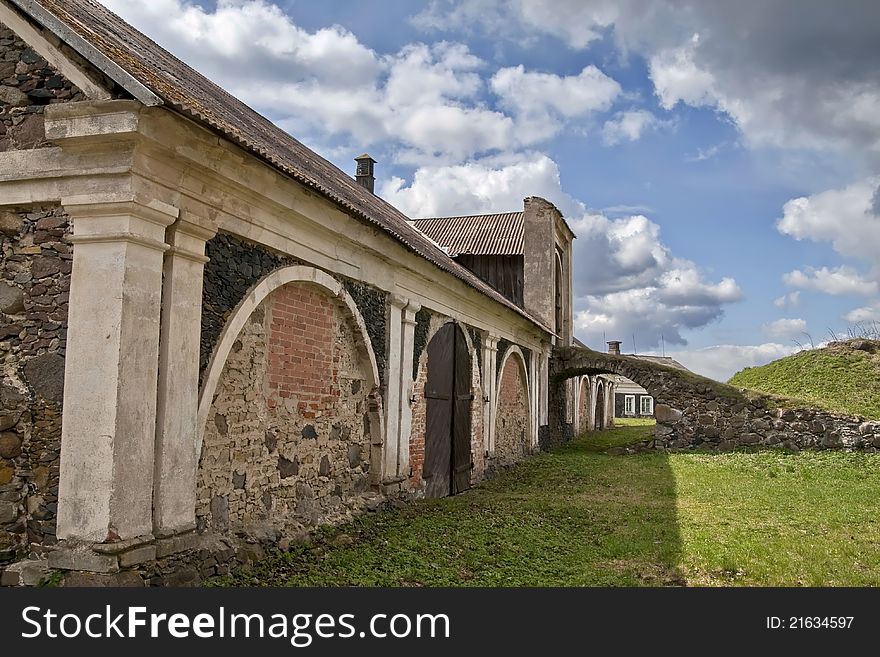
840,280
535,93
490,185
864,315
720,362
576,22
786,75
843,217
677,78
789,300
785,328
628,126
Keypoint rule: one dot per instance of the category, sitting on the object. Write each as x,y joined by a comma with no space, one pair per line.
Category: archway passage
599,414
584,410
448,417
513,420
289,439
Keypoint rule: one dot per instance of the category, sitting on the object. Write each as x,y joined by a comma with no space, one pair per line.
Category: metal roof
481,234
155,76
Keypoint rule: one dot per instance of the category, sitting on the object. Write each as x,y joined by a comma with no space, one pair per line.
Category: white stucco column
406,387
535,387
109,417
174,489
393,369
490,390
594,390
544,383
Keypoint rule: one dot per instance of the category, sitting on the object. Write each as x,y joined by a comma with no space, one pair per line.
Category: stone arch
292,436
585,410
599,406
512,413
243,311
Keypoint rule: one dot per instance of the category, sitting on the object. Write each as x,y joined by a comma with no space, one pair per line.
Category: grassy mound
843,377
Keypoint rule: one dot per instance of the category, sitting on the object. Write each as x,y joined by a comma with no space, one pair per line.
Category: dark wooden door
600,408
447,463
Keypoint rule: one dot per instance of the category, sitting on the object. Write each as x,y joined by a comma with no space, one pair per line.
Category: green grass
634,422
580,517
836,378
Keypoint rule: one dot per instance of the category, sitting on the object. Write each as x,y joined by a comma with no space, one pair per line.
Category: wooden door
447,465
600,407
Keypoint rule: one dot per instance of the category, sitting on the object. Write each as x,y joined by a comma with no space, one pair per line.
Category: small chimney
364,174
614,347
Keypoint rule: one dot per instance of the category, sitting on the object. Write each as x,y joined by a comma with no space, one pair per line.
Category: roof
482,234
155,77
668,361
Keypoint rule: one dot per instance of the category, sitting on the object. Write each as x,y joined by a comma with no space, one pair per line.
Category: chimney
364,174
614,347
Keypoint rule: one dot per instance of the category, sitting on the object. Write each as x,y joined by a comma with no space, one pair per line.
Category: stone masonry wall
287,444
512,417
694,412
34,286
27,85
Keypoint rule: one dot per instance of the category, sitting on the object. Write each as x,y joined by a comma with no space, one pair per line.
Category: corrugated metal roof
193,95
479,234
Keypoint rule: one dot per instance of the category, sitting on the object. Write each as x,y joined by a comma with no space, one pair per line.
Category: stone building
209,331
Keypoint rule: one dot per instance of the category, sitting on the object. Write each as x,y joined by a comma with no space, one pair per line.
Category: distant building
631,399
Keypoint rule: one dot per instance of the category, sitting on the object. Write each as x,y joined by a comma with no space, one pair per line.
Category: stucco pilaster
490,358
109,417
176,460
393,365
406,386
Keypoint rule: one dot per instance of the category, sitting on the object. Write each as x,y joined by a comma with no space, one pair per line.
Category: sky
718,161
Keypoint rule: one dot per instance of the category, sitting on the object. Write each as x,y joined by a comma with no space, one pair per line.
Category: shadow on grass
575,516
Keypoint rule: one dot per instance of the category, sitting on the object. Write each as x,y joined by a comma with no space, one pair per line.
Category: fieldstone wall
27,85
287,445
512,416
694,412
34,286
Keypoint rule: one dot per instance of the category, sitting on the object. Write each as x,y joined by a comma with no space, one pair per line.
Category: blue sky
719,163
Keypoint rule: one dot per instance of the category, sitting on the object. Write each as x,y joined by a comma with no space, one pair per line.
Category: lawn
580,517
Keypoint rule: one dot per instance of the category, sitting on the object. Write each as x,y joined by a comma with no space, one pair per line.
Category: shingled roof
155,77
480,234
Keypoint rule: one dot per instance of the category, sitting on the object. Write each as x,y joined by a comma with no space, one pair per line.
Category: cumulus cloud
542,101
628,126
785,328
839,280
864,315
789,300
786,73
720,362
576,22
844,217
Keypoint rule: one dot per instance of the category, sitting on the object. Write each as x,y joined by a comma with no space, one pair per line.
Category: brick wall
512,417
287,444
